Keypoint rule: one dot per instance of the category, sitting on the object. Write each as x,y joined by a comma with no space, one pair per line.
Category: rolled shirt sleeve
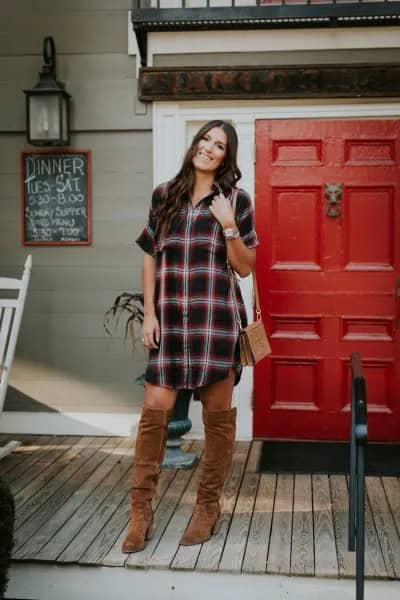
146,238
245,220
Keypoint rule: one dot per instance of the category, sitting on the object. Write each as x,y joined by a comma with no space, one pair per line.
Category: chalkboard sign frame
88,193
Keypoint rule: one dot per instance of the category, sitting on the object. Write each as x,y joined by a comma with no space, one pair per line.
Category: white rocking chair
11,310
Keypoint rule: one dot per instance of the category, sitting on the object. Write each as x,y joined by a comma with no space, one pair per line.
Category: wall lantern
47,104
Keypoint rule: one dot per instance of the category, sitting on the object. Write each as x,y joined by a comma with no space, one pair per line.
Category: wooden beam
233,83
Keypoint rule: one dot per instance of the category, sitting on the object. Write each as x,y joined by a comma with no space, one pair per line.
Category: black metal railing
358,443
195,15
157,4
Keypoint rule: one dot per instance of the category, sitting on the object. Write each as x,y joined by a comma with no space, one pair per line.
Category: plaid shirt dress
193,297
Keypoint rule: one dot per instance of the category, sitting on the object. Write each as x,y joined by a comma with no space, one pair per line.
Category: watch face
231,233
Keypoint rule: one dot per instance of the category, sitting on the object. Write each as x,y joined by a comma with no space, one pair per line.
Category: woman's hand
222,210
241,258
151,331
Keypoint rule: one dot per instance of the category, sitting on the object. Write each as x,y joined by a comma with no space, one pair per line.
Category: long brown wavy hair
181,187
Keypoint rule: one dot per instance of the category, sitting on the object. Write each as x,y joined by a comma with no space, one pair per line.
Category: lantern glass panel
44,117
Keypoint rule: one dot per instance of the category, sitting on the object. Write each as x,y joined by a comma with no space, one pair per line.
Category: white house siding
64,362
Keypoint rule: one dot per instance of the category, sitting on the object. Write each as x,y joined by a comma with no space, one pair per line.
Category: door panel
327,267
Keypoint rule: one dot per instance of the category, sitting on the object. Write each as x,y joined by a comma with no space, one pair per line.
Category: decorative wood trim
233,83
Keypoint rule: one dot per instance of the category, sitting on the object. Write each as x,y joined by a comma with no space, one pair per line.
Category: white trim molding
75,582
278,40
69,423
100,424
173,126
133,49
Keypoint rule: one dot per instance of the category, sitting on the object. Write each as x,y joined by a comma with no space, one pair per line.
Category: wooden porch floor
72,506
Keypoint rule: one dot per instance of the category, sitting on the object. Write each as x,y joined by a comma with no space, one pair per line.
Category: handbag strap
256,296
232,275
232,282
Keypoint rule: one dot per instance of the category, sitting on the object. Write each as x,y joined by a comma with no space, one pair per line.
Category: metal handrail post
358,442
352,483
360,525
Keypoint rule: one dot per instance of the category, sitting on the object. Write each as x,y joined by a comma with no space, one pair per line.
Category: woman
190,326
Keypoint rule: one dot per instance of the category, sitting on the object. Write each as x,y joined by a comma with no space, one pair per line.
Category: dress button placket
186,348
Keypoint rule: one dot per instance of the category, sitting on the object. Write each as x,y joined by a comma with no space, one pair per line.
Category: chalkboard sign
56,201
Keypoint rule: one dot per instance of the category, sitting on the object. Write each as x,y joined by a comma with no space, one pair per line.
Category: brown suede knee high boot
220,432
149,452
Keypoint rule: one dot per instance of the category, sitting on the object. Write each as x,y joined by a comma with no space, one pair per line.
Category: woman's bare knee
218,396
159,397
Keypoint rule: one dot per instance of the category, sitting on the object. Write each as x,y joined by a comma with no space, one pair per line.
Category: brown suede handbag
253,341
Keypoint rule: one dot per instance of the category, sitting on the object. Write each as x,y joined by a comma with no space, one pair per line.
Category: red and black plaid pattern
194,304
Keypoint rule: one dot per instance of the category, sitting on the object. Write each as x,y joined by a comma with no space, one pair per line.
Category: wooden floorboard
41,507
255,558
340,508
162,517
31,449
45,479
391,485
385,526
73,506
168,545
98,535
187,557
58,532
302,552
326,561
39,465
103,542
278,560
374,562
114,557
236,539
210,554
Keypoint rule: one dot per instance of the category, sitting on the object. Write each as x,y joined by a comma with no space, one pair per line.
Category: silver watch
231,233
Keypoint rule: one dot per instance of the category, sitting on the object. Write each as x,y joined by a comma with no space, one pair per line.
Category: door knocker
333,194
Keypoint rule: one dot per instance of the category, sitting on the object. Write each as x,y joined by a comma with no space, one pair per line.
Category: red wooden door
327,283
